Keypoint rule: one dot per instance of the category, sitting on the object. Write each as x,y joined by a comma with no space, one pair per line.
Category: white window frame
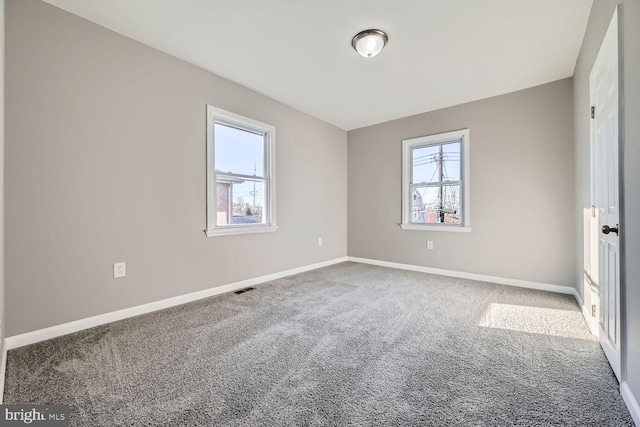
407,146
217,115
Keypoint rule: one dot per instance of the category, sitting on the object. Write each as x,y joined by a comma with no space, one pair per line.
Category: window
435,182
240,174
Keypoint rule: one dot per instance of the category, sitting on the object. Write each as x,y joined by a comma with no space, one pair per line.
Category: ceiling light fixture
369,43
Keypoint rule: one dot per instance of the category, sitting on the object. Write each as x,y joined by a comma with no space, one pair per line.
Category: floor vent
241,291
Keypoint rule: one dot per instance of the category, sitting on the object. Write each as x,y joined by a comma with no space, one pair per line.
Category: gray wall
598,22
522,181
105,162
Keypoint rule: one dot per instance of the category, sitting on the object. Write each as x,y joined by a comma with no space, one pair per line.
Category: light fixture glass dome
369,43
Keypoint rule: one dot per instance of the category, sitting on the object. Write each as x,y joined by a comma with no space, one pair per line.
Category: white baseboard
589,319
472,276
90,322
631,401
576,295
586,314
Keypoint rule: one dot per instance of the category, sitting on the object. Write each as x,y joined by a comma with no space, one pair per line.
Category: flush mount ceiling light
369,43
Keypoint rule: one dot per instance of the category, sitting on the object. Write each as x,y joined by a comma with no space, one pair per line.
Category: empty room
330,213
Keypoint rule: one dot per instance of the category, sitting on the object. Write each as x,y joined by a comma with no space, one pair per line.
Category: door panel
604,84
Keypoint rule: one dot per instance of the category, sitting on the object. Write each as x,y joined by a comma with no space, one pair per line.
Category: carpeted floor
350,344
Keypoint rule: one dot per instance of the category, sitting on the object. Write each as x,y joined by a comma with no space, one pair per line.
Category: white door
604,145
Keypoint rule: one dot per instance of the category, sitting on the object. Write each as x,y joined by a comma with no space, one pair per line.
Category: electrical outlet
319,241
119,269
430,244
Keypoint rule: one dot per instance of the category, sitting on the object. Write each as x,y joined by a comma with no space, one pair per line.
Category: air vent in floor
241,291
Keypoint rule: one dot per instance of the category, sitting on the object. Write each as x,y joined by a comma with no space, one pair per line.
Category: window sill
240,230
453,228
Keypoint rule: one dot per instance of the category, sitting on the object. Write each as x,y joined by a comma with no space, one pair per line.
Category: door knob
606,229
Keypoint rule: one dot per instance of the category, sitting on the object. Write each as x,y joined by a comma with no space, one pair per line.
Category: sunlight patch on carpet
536,320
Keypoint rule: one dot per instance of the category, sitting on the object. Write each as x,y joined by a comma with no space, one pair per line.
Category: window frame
227,118
407,170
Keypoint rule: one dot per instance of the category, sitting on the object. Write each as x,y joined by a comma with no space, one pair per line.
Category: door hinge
593,112
593,310
593,211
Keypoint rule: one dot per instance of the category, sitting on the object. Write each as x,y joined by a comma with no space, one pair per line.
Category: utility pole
440,165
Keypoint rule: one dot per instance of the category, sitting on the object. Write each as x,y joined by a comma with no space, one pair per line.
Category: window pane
424,162
432,205
240,201
238,151
451,162
431,165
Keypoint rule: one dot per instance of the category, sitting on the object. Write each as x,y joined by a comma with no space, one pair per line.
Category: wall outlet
319,241
430,244
119,269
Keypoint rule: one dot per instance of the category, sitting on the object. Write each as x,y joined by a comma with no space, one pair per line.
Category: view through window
240,176
435,183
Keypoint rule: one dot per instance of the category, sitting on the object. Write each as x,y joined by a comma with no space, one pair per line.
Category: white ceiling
440,52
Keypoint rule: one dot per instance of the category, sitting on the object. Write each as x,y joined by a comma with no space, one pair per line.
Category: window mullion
436,184
241,176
